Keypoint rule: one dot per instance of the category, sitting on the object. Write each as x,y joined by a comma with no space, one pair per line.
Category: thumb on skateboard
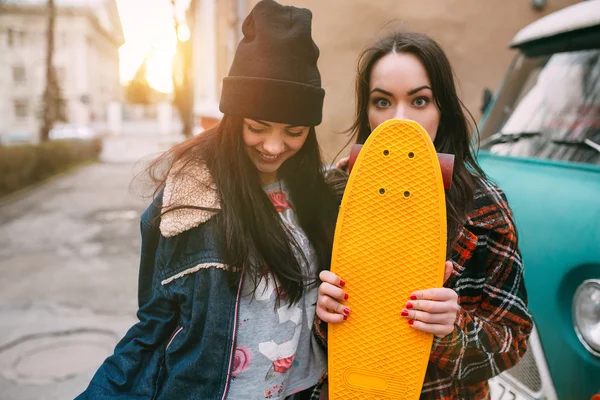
449,267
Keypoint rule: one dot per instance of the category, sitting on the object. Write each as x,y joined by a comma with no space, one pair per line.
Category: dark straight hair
253,237
453,135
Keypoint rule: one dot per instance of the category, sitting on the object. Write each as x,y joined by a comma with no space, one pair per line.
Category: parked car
541,144
16,137
71,131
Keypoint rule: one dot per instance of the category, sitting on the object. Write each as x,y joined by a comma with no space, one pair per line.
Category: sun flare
150,33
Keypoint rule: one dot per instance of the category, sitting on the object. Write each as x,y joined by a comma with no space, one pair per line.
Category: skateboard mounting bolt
386,152
406,194
411,155
381,191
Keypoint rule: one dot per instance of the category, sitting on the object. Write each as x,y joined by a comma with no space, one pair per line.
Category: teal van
540,141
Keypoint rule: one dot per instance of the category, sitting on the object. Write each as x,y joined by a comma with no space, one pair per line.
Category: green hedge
23,165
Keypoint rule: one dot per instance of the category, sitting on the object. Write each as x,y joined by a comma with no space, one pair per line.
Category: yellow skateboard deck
390,241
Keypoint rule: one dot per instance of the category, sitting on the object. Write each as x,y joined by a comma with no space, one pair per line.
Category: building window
21,108
19,74
11,37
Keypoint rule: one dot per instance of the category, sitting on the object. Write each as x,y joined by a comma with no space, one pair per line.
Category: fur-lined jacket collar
192,187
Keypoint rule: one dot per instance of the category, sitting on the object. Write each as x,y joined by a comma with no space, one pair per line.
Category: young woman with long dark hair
233,243
479,318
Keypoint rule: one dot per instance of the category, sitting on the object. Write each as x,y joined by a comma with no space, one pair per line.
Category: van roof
579,16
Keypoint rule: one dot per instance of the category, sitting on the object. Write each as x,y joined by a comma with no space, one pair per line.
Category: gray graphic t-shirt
277,354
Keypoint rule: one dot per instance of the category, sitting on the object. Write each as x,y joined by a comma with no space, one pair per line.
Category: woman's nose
400,113
273,145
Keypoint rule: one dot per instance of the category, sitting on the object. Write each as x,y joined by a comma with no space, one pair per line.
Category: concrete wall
27,51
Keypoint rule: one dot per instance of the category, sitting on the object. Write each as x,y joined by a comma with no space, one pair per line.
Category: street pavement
69,254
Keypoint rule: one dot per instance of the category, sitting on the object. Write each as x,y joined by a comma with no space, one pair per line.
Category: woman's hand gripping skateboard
430,310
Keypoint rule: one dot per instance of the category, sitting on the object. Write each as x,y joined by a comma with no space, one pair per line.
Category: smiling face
269,144
400,88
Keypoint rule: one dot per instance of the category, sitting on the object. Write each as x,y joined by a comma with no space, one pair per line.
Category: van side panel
557,212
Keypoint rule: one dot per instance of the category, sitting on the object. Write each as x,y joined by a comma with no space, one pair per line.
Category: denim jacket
184,343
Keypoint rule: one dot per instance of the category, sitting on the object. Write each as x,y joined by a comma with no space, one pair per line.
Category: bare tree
48,116
138,90
182,80
53,104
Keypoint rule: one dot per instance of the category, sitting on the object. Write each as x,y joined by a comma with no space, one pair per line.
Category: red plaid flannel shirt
493,323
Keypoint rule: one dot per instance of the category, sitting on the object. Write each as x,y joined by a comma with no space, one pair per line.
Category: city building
88,34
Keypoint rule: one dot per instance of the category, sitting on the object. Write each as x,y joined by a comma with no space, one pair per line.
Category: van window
549,107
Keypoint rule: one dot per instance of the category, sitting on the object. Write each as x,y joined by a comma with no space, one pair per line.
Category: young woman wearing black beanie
234,241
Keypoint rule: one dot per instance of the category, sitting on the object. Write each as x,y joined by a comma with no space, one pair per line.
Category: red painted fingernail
413,296
409,305
346,311
404,313
411,322
342,282
346,296
345,318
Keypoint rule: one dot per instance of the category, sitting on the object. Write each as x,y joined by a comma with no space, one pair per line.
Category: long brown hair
453,135
252,234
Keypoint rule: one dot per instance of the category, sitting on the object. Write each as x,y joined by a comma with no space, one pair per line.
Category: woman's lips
268,158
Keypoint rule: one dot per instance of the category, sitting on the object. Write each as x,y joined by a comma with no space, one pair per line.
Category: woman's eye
381,103
294,134
255,130
420,101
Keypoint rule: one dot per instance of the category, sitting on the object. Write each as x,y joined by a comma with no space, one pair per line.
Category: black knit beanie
274,75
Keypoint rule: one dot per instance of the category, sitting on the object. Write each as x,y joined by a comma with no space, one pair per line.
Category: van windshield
549,107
